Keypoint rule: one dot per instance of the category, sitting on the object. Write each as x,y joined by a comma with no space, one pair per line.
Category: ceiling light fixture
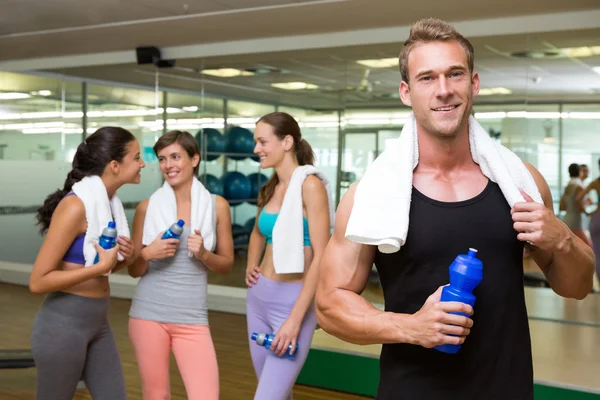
226,72
566,52
492,91
581,52
13,96
294,85
379,62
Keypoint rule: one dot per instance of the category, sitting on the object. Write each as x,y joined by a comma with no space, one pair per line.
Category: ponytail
91,157
266,192
304,153
44,213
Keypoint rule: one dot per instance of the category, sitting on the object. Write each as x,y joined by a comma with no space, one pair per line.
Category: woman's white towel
99,211
288,232
162,213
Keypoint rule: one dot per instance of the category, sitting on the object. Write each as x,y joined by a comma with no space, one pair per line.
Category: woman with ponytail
282,285
71,339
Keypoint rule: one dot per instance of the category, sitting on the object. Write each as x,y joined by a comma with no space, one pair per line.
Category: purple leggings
595,234
268,305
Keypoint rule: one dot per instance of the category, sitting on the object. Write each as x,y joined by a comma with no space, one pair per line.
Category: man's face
584,173
441,88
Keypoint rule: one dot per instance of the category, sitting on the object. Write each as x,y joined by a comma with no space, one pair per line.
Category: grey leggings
71,340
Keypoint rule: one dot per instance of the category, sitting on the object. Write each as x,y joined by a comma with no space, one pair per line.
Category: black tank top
495,361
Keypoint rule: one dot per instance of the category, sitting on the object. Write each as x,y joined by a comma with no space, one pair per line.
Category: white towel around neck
380,215
99,211
288,232
162,213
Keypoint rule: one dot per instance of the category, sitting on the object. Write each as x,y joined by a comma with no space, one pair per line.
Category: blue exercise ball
236,186
256,185
240,140
249,225
212,184
240,234
214,141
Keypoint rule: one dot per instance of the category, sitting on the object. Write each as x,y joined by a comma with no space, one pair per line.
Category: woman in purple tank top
71,339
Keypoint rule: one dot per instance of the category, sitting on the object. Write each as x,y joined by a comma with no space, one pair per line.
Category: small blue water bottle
175,231
266,339
108,239
465,274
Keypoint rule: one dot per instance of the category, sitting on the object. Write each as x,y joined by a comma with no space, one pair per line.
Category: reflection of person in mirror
450,207
584,173
572,203
594,221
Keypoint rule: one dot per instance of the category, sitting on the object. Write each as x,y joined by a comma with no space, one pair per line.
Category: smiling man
453,206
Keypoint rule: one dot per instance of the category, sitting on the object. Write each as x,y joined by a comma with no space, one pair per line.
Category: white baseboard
220,298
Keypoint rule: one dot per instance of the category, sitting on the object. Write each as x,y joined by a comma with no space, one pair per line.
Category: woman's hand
252,274
287,334
195,244
107,259
126,249
161,248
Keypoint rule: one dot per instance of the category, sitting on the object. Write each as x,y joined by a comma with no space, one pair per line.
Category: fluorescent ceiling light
237,121
584,115
13,96
490,115
565,52
368,121
190,108
492,91
379,62
322,124
226,72
596,69
580,52
294,85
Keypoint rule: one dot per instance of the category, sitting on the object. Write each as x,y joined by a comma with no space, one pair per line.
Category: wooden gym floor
18,308
565,337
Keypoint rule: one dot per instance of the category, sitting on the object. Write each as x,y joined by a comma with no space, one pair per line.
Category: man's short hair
433,30
574,170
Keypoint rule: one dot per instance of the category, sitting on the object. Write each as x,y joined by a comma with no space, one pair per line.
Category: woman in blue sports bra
282,304
70,338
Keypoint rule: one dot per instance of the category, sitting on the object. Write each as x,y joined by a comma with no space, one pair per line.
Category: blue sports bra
266,222
75,253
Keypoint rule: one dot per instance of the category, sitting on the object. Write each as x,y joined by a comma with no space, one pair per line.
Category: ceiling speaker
151,55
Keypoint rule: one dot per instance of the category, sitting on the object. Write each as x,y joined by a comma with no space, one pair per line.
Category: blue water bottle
465,274
175,231
266,339
108,239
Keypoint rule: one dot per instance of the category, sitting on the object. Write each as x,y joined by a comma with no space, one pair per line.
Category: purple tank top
75,253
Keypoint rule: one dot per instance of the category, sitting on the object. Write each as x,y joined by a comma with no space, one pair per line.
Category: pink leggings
193,349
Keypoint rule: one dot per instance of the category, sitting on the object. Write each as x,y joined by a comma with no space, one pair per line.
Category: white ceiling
63,35
33,28
26,16
339,76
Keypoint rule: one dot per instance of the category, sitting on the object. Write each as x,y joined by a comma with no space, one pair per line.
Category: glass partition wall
42,121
